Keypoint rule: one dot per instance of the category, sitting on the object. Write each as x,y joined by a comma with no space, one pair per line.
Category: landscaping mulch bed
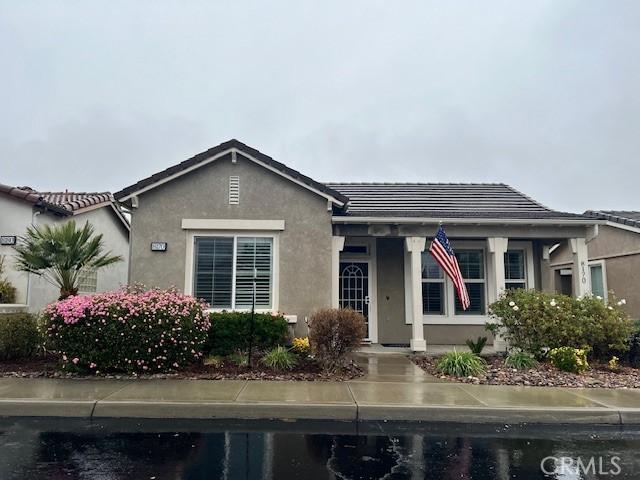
544,375
47,367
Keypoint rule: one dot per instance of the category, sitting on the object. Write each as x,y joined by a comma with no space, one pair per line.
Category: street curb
91,409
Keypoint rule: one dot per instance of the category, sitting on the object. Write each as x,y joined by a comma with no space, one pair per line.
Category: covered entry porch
384,270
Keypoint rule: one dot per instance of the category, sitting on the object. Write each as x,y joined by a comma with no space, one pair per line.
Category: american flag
441,251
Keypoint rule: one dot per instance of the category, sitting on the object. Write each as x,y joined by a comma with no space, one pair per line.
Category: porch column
497,247
581,276
337,245
414,248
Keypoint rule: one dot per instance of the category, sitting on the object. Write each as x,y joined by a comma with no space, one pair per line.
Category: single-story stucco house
203,225
614,259
23,206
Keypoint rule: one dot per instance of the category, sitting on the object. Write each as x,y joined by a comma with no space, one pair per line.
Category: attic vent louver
234,190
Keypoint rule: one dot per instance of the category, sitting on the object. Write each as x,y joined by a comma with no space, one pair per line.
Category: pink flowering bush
127,331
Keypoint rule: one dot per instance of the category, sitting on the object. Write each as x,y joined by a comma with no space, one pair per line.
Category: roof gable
232,147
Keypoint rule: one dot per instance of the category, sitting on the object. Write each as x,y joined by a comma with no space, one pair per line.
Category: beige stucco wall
15,215
304,245
620,251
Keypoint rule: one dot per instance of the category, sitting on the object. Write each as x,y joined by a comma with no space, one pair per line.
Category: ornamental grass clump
520,361
279,359
127,331
461,364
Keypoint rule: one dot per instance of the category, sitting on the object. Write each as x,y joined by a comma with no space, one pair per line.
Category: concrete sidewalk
392,388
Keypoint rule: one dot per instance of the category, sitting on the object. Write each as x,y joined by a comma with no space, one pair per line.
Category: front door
354,288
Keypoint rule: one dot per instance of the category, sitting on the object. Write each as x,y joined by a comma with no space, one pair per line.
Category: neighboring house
205,224
21,207
614,259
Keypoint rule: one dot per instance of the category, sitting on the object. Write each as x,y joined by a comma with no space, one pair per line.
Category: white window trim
602,264
441,281
232,224
275,281
529,272
460,320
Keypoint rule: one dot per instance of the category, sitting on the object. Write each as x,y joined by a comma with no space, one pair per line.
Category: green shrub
633,354
536,322
7,291
461,364
334,334
569,359
136,332
520,361
477,346
19,336
229,332
280,359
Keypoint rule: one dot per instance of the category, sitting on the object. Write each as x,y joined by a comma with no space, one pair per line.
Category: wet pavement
33,449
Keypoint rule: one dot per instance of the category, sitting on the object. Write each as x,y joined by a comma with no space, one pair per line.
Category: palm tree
59,253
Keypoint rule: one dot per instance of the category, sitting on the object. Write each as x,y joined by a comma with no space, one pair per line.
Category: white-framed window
472,267
224,269
88,280
433,286
515,275
598,278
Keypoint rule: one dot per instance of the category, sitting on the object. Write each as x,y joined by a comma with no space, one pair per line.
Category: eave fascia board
465,221
622,226
232,150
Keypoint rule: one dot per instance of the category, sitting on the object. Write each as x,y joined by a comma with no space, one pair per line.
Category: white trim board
234,151
231,224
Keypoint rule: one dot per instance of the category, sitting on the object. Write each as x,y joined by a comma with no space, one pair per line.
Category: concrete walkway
391,389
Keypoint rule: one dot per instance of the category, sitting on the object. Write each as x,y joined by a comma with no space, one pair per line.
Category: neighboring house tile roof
443,200
74,201
624,217
34,198
201,158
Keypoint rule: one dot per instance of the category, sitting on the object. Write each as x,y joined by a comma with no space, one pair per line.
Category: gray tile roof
443,200
624,217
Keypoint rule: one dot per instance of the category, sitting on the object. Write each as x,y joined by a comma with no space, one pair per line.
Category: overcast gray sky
543,95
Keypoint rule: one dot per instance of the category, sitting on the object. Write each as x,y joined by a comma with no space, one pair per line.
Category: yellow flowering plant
301,345
569,359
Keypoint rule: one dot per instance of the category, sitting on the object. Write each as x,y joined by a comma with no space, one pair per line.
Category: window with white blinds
225,268
471,264
253,255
